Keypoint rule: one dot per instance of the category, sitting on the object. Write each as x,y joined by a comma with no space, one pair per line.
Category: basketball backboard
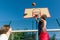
31,12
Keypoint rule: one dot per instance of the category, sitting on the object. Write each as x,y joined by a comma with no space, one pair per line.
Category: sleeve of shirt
3,37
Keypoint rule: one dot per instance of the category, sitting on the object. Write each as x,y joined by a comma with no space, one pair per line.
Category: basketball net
36,13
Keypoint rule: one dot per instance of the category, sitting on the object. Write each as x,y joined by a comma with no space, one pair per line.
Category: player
42,32
5,32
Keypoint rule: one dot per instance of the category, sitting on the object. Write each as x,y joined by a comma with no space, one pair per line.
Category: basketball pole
34,4
36,28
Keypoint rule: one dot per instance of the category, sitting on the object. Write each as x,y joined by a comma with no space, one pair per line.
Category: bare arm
44,28
9,32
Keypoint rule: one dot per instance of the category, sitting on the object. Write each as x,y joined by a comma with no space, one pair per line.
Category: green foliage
22,36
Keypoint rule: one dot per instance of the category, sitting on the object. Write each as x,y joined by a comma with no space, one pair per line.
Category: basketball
33,4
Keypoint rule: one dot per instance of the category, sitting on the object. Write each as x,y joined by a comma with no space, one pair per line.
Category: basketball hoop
36,13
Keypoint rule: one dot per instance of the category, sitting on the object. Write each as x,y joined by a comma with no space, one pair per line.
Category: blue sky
13,10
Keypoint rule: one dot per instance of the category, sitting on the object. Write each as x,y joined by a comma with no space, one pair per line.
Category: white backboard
29,12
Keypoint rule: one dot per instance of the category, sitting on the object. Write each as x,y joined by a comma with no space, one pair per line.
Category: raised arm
9,32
